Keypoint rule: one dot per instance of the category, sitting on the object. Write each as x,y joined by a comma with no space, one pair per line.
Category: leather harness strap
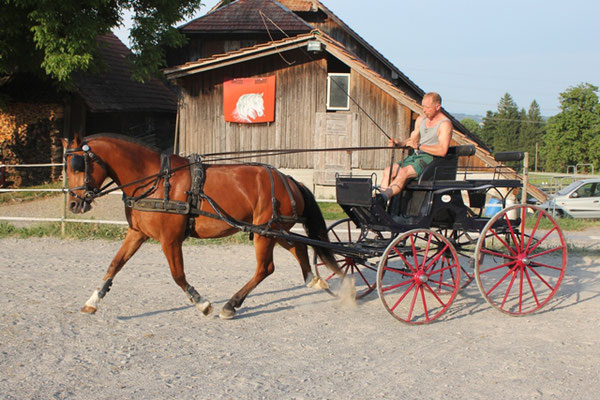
196,196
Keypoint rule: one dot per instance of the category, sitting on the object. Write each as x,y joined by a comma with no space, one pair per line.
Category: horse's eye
77,163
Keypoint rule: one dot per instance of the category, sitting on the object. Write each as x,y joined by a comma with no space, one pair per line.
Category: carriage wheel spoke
435,295
424,304
542,239
403,296
520,289
514,275
510,271
512,233
546,266
537,223
426,252
497,267
405,260
503,242
436,258
531,287
495,254
540,278
545,252
387,289
412,305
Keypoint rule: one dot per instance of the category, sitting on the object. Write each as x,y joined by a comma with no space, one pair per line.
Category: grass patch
332,211
82,231
565,224
16,197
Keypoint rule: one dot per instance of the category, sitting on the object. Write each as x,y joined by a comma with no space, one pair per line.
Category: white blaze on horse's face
249,107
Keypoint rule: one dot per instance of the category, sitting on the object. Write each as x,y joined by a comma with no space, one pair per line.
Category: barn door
334,130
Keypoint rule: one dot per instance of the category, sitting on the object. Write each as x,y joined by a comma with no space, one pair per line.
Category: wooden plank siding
300,93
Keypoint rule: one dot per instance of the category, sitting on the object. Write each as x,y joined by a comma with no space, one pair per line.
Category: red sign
249,100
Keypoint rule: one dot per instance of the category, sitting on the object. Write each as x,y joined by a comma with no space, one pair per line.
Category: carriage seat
414,202
444,168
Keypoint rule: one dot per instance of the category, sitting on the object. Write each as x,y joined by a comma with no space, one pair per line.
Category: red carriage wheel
520,259
418,276
362,271
464,244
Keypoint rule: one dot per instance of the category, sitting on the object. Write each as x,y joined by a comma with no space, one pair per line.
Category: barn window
338,91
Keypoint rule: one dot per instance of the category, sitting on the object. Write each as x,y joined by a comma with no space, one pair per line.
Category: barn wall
300,115
300,93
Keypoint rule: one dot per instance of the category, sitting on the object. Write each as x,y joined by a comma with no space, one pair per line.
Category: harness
195,196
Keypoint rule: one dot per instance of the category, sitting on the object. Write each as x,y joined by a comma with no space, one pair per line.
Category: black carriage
437,236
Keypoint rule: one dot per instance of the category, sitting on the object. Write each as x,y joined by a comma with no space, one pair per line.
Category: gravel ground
287,341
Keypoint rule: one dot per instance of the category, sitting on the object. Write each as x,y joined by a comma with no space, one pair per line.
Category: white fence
64,190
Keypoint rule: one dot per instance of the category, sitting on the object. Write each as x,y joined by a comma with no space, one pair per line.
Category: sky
473,52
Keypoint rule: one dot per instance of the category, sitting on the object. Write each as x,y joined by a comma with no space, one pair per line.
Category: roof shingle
114,90
248,15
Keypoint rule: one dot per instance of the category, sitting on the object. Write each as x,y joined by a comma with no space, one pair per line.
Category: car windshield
569,188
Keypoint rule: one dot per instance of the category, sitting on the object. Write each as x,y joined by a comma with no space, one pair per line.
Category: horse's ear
77,139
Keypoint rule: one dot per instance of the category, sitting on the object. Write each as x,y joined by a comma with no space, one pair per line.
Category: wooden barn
322,86
35,114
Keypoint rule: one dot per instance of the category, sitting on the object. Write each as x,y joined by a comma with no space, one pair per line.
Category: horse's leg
263,248
174,256
133,241
300,251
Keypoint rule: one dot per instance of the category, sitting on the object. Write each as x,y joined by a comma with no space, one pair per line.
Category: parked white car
581,199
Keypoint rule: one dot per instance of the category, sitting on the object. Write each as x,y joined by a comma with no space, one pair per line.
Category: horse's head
85,172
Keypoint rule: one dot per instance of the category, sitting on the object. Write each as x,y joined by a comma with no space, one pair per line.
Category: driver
430,139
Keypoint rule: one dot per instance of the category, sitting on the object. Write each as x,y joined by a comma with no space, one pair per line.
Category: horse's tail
315,227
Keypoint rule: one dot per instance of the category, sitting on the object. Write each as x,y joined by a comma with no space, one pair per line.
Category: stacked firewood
30,134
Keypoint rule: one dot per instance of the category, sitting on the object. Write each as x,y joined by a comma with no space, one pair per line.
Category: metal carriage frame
434,239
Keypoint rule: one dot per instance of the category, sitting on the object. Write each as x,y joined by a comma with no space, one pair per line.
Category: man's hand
394,143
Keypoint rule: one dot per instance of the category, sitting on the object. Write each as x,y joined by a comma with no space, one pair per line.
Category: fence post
525,177
64,193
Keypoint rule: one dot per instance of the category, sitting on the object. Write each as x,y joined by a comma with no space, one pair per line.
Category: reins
93,193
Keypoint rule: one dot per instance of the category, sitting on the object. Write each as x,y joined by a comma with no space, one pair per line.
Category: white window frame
334,108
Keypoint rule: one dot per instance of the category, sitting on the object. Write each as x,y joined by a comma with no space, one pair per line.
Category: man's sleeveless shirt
429,135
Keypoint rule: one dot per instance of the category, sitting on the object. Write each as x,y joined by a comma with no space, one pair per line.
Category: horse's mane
123,138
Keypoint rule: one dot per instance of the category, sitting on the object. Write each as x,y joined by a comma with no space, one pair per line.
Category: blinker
77,163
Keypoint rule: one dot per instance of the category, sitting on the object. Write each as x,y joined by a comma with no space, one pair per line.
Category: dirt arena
287,342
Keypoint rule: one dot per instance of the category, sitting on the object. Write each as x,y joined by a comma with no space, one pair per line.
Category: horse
231,197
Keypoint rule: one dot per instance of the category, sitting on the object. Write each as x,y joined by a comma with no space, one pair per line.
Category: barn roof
248,16
114,90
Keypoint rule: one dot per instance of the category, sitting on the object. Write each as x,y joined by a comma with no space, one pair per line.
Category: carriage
436,237
418,251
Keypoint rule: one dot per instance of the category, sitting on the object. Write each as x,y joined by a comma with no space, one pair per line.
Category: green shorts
418,161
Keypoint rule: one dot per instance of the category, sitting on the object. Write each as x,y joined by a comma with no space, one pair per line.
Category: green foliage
471,125
58,37
501,129
532,131
573,135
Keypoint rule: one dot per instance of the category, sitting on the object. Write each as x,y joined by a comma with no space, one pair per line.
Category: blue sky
473,52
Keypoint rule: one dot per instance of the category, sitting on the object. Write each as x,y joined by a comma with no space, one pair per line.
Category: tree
532,131
573,135
58,37
501,129
471,125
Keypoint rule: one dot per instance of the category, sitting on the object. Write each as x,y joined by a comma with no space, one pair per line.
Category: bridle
82,163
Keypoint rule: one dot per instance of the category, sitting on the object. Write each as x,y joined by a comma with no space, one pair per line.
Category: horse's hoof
321,284
89,309
205,307
227,313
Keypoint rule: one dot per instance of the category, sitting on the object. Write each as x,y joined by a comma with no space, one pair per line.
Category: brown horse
247,194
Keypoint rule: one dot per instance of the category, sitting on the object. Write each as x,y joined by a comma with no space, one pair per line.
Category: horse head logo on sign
249,107
249,100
